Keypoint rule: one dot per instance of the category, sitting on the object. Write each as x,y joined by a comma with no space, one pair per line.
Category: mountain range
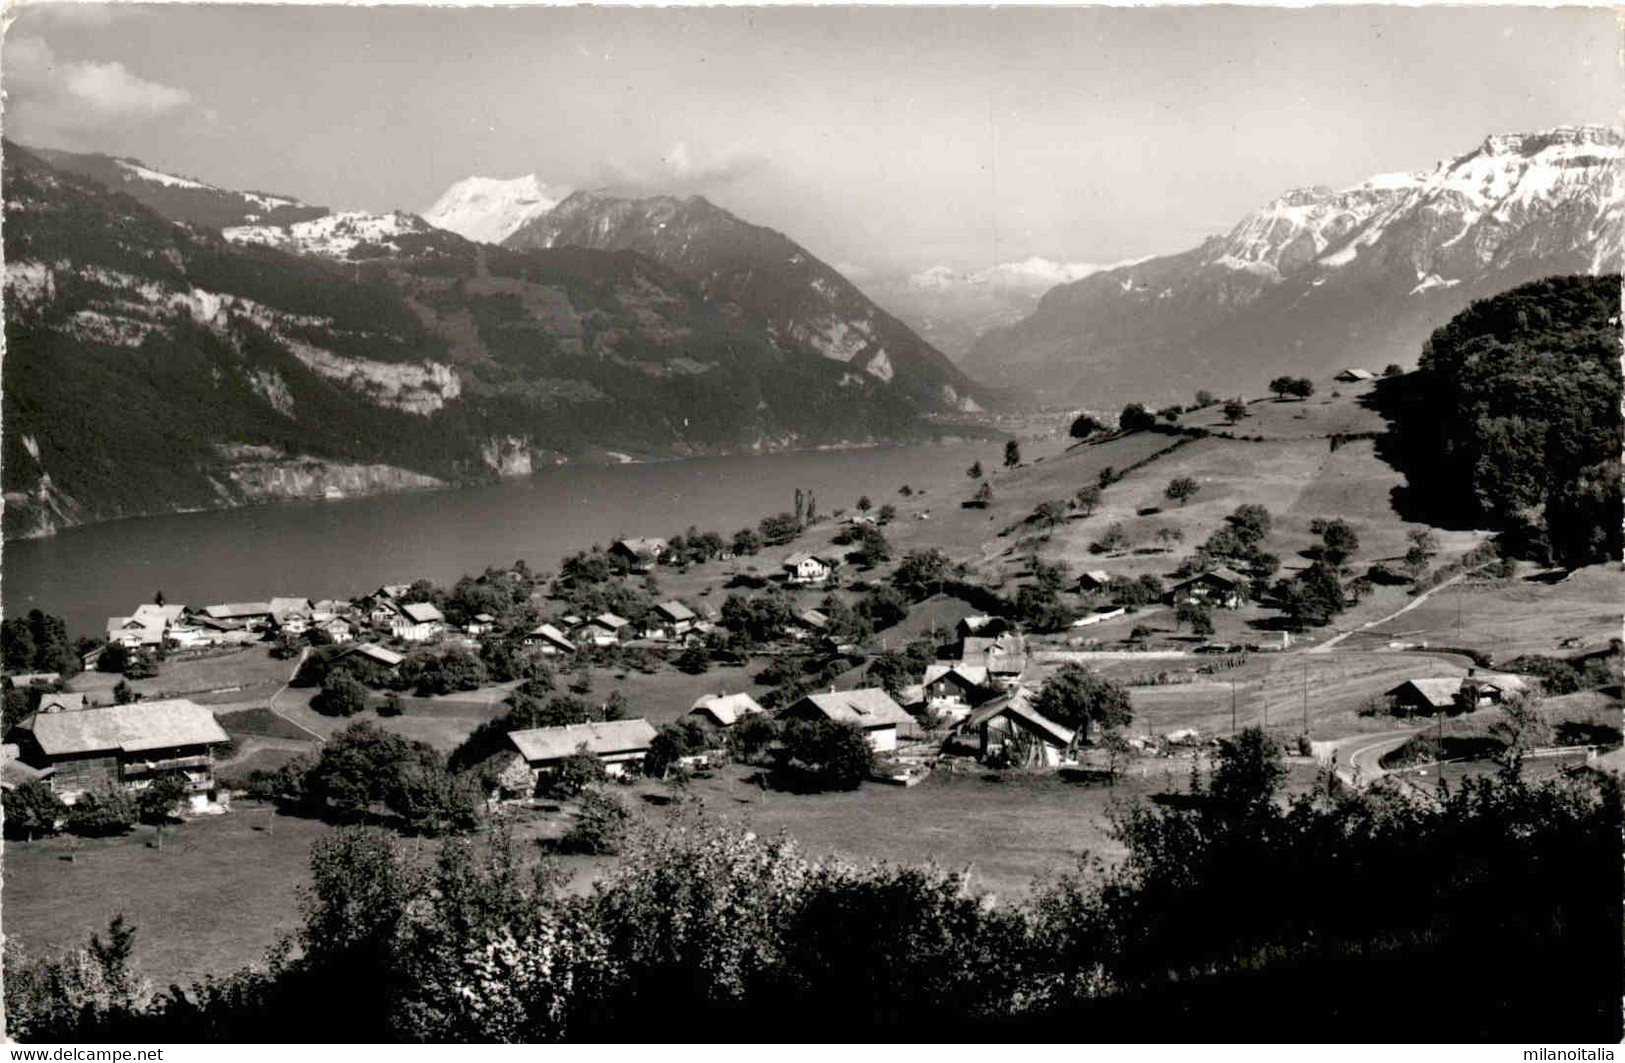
950,308
488,209
156,362
1320,279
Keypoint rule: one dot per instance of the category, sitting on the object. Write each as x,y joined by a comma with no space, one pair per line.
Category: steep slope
488,210
153,367
758,270
1318,278
181,198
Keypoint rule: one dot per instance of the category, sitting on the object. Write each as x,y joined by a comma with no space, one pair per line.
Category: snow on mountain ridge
1483,197
333,235
490,209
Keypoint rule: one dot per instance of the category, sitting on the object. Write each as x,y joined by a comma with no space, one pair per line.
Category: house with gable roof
127,746
871,709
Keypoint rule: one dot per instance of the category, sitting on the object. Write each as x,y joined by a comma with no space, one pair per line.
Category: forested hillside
1513,418
154,366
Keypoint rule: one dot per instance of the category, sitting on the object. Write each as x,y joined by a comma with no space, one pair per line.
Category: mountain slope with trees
761,271
155,366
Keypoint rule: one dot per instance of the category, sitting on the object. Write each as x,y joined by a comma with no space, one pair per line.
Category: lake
343,548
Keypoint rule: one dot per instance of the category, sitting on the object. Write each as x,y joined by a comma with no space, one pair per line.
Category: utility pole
1232,706
1306,695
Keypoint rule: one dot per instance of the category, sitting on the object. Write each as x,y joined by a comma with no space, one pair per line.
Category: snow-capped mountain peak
490,209
1484,199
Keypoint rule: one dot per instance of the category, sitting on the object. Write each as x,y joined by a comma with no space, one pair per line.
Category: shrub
32,810
600,825
103,813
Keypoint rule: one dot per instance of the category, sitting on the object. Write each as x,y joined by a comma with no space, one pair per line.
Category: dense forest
1489,913
1512,419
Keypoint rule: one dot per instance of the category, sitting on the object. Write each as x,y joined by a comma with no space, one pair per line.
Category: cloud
682,171
67,101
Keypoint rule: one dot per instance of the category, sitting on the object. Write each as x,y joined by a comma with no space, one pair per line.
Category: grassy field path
1407,607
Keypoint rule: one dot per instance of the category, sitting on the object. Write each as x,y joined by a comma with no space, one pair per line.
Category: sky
882,139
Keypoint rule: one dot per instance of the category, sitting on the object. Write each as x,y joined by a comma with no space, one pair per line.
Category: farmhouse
254,616
335,627
134,632
802,567
549,639
1004,656
871,709
954,685
162,615
1354,376
1010,725
724,710
1447,694
605,629
417,621
62,702
125,745
809,623
675,618
1223,586
482,624
1096,579
29,679
638,551
616,744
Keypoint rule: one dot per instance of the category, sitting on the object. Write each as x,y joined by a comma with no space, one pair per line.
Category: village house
253,616
334,627
133,633
954,686
1004,656
549,639
1094,581
1454,693
671,619
290,615
127,746
638,552
802,567
724,710
871,709
1010,725
605,629
417,622
61,701
617,744
1222,587
35,679
807,624
482,624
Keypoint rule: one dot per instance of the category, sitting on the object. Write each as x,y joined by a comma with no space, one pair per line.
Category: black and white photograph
768,525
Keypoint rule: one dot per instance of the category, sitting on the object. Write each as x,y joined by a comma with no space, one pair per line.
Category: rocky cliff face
1321,278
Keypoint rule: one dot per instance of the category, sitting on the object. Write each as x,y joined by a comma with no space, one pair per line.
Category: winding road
1364,763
